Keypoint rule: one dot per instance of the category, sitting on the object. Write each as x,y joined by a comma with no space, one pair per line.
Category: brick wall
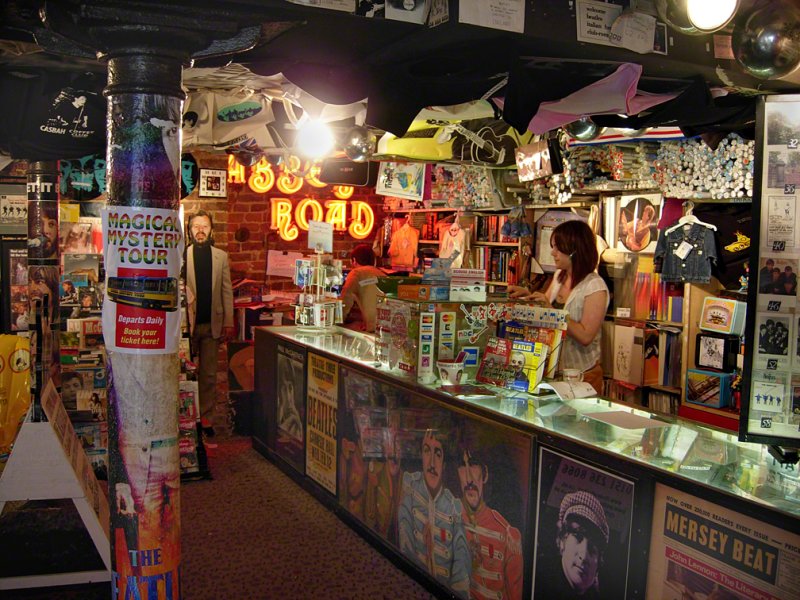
245,210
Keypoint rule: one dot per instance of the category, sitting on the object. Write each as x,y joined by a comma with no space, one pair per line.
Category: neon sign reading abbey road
288,217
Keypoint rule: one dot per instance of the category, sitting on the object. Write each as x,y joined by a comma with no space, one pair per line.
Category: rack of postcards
318,305
771,392
82,349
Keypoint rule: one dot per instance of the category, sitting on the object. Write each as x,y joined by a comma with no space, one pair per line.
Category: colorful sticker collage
775,391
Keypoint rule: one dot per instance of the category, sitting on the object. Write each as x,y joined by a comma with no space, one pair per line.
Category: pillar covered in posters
143,242
43,264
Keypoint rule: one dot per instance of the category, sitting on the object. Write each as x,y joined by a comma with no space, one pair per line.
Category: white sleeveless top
573,354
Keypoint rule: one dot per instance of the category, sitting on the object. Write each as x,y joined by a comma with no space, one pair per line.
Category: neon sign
263,177
289,220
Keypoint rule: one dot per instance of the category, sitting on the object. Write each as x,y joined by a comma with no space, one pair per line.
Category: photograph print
783,123
777,283
773,336
583,530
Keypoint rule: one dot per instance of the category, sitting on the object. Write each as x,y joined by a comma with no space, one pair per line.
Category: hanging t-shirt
453,239
685,254
403,249
53,116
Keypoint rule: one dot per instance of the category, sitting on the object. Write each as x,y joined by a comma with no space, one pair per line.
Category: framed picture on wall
637,222
213,183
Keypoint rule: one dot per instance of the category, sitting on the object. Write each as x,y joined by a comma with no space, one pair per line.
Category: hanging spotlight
711,15
245,157
675,14
584,130
314,139
766,42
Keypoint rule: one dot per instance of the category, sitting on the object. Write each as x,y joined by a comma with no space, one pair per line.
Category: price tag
624,313
683,250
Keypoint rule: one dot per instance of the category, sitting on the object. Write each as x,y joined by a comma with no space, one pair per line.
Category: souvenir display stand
319,306
683,508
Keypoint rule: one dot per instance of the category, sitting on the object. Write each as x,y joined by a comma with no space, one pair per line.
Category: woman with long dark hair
579,290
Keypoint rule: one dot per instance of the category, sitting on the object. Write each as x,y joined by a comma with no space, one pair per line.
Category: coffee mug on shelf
572,375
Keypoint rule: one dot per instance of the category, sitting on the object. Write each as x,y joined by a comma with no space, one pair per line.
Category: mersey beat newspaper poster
143,251
700,549
322,393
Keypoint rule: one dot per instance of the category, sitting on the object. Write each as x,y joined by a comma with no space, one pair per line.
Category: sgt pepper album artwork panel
448,491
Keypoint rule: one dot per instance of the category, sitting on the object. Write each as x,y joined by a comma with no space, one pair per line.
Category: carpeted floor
251,533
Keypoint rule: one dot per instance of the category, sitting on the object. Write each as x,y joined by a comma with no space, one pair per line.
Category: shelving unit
498,250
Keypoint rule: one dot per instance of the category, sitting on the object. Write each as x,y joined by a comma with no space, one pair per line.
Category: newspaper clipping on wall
699,549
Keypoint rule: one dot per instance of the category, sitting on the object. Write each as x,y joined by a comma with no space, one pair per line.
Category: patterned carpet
251,533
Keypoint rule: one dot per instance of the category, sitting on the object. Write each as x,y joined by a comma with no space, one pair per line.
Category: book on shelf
489,228
499,264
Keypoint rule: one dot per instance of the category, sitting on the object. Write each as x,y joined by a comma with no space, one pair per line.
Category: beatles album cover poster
448,491
291,406
584,519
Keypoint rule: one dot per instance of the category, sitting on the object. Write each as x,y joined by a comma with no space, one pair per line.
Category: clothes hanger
689,219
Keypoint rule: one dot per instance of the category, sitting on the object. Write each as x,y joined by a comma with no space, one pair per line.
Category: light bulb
314,139
711,15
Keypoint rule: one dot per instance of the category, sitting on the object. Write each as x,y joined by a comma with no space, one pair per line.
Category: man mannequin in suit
209,295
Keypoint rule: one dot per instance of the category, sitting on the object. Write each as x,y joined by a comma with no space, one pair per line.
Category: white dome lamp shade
696,17
711,15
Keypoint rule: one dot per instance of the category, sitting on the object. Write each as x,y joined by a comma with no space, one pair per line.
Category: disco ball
358,144
766,42
632,133
584,130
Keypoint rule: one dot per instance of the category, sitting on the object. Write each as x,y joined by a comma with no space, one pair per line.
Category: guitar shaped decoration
483,146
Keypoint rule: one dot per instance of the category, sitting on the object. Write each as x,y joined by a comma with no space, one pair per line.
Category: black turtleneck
202,278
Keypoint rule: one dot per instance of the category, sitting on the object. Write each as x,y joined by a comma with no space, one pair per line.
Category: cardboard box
629,354
723,315
708,388
423,292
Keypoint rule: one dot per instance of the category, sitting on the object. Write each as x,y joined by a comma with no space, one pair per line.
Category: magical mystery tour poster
143,253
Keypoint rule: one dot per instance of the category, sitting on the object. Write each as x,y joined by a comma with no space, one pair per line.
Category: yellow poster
323,391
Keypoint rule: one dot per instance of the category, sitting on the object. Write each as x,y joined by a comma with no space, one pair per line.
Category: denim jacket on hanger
695,267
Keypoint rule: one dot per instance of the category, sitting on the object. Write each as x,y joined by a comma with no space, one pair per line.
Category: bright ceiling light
314,139
711,15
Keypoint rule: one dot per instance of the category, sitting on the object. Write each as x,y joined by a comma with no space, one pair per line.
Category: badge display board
771,400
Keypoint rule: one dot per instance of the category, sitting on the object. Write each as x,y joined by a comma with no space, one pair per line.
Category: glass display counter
473,487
